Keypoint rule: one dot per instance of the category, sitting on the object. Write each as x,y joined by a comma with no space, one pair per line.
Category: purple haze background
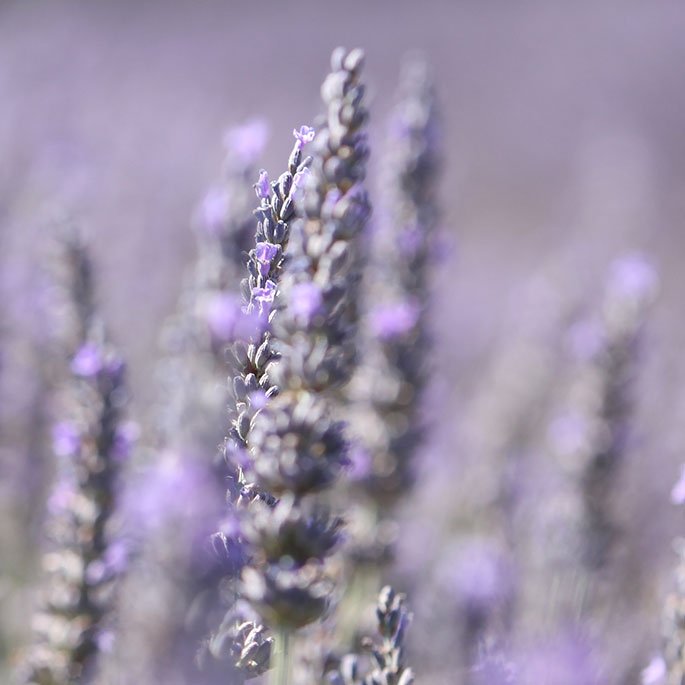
561,121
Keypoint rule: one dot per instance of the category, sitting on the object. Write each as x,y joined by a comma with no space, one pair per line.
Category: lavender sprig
387,653
589,442
389,386
317,330
83,561
252,385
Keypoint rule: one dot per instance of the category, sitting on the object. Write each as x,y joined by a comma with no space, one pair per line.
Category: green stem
280,670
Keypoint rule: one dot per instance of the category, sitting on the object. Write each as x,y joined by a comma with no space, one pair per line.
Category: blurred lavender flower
188,415
82,562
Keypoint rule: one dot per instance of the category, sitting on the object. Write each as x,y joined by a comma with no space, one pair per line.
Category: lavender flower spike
254,357
327,253
397,288
83,561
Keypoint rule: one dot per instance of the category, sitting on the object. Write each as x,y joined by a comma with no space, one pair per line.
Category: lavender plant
295,447
83,558
387,390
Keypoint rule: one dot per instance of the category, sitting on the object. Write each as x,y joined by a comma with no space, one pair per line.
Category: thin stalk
281,670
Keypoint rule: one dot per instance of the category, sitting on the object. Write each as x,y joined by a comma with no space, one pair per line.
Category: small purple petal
265,254
88,361
264,297
304,135
392,321
262,187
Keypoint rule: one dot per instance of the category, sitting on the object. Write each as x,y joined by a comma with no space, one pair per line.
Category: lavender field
342,366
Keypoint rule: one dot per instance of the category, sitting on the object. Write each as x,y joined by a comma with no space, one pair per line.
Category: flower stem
280,672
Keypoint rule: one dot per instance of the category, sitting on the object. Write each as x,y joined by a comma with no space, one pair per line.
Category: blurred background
562,135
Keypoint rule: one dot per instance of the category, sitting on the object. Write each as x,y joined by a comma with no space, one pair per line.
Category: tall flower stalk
387,390
590,440
83,560
244,641
295,448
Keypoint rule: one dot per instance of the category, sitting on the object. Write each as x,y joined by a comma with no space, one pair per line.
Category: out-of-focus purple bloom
112,564
124,439
304,135
88,361
633,277
66,439
105,640
678,491
569,434
247,142
655,672
173,487
265,253
306,300
477,574
61,497
391,321
262,187
264,297
585,339
360,462
258,399
228,320
214,210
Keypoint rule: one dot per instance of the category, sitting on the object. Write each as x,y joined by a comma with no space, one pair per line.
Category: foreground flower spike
297,448
208,315
387,651
252,385
317,330
83,561
264,518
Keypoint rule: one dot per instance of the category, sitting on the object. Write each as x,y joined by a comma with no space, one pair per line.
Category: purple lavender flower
262,187
88,360
247,142
215,209
306,300
265,253
304,135
66,439
228,320
392,321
